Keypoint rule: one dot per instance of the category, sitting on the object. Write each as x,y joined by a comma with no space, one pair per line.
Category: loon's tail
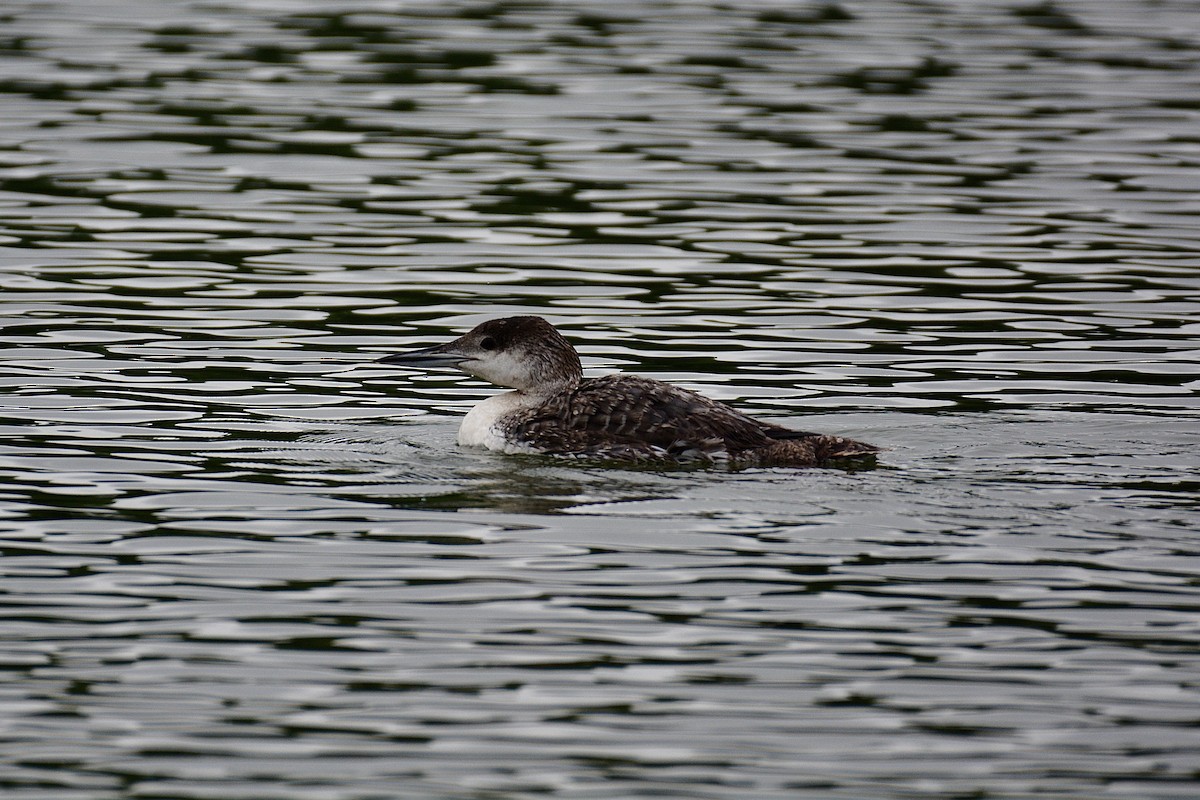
800,449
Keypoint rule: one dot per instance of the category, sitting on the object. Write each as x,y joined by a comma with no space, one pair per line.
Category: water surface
241,560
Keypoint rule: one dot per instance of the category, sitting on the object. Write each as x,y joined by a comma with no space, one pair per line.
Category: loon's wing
629,418
623,416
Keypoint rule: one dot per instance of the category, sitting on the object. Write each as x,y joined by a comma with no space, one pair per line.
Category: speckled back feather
626,417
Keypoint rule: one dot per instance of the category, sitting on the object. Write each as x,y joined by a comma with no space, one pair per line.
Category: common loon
557,411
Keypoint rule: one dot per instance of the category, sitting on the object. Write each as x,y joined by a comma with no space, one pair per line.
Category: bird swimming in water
554,410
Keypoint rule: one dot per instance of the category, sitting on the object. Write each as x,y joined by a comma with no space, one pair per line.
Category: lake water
241,561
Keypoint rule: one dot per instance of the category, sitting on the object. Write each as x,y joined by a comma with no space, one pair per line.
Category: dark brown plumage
630,417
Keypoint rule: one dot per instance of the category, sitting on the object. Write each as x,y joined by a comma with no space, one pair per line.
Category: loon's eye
487,343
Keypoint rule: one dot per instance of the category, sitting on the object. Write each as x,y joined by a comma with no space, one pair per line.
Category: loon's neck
483,426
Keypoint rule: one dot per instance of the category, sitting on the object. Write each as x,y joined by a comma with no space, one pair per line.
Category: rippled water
240,560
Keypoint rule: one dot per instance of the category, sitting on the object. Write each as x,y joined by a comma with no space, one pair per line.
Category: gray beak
441,355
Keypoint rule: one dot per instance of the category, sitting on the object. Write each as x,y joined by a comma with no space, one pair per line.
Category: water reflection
239,559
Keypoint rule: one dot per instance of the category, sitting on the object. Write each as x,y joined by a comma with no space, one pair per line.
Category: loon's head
523,353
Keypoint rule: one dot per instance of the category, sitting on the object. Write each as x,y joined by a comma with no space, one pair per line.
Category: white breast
482,427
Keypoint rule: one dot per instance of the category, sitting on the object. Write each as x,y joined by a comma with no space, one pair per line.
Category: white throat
483,426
